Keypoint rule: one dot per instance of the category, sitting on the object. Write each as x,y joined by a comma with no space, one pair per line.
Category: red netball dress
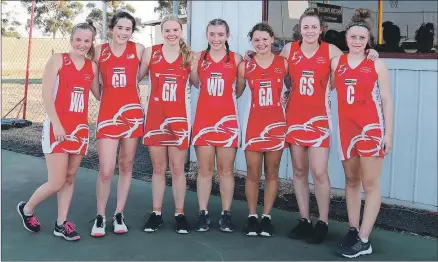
361,123
216,112
264,126
71,102
168,107
120,111
308,110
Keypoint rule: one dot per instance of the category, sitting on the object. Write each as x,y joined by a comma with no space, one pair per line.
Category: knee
70,179
300,172
205,170
253,174
56,186
159,169
320,176
125,167
106,174
225,172
177,170
371,185
353,180
271,173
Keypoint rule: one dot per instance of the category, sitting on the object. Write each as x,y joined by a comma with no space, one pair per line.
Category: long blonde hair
86,26
184,49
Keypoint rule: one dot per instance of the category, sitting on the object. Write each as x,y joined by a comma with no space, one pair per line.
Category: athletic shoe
202,222
226,223
266,227
29,222
67,230
154,223
98,229
119,224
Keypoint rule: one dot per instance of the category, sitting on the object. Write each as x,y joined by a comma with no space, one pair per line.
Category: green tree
165,7
96,13
9,22
53,16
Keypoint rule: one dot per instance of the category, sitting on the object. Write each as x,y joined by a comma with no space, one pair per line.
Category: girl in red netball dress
365,113
120,118
264,124
67,80
166,127
308,122
216,129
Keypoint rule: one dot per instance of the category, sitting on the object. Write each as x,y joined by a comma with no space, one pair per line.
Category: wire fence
27,139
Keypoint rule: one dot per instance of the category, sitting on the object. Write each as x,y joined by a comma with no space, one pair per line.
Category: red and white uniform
71,102
168,107
361,125
120,111
264,126
216,121
308,110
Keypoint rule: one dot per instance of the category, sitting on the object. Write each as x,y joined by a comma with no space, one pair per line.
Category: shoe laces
181,219
119,218
227,218
69,227
99,221
33,221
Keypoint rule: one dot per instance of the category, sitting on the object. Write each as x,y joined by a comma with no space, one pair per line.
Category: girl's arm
241,81
49,81
388,110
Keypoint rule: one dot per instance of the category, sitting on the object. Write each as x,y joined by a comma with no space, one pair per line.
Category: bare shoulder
94,65
334,62
238,58
140,47
380,64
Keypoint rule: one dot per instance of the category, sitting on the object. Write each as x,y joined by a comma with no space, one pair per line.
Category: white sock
268,216
256,216
206,211
27,214
177,214
157,213
365,240
59,225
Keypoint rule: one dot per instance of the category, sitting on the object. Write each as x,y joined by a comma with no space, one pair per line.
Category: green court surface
22,174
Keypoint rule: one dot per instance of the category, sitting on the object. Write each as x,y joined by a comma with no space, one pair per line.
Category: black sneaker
154,222
67,231
182,225
252,227
29,222
350,238
357,249
303,230
266,227
202,222
319,233
226,223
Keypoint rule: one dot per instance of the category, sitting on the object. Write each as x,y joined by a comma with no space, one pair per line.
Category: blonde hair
184,49
86,26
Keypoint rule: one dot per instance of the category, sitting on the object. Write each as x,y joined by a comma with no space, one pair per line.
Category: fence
27,140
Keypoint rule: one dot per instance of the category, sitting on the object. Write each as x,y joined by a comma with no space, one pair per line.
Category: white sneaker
119,224
98,229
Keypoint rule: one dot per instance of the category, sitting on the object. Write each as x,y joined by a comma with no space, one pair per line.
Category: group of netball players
288,107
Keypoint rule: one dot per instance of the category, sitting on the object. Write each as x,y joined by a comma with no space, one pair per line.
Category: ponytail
186,53
227,46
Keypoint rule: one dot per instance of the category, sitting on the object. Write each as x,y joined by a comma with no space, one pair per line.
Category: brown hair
184,49
361,18
261,27
119,15
86,26
219,21
311,12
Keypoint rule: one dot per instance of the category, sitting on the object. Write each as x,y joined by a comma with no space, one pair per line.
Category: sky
145,8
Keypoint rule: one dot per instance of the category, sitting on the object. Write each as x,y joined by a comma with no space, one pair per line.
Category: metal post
380,21
189,22
26,85
175,7
104,23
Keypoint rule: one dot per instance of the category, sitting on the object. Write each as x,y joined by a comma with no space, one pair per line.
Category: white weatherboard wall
409,175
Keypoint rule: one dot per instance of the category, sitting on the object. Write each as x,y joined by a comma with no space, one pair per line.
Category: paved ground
22,174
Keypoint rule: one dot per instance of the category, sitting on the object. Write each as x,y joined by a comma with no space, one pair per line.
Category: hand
387,144
372,54
248,55
59,132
